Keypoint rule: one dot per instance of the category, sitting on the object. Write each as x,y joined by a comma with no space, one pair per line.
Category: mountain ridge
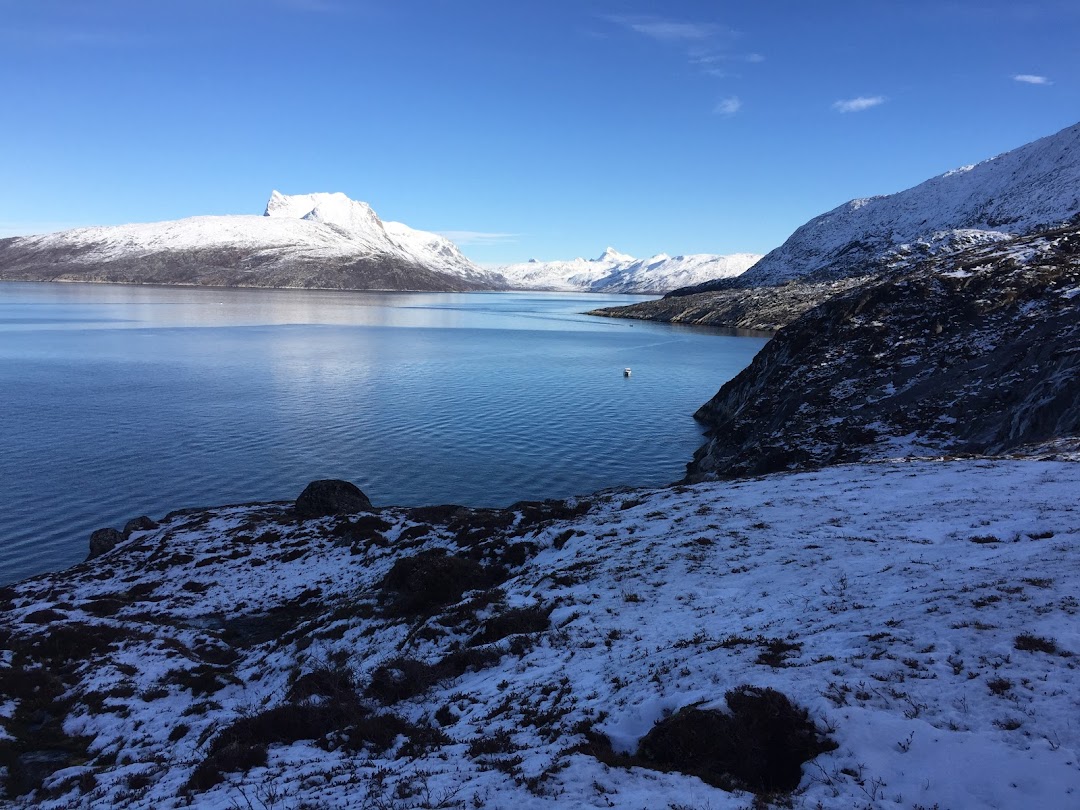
324,241
615,272
1033,186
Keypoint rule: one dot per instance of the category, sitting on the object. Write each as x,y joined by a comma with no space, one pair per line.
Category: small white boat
626,372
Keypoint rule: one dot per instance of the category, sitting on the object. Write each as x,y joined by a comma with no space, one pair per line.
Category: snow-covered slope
1035,185
923,613
306,240
614,272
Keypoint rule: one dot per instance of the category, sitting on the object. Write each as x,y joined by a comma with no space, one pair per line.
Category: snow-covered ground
924,612
615,272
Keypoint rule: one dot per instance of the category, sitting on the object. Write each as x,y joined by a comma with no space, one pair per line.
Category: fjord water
119,401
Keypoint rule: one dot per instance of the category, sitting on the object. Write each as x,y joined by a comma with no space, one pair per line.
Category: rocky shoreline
760,309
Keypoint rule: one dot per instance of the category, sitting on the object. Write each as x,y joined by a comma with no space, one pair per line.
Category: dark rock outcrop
754,310
331,497
139,524
103,541
977,353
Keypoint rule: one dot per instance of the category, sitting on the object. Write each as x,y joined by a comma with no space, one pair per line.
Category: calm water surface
119,401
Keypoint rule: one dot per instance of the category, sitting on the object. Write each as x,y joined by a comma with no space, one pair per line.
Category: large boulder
139,524
331,497
103,540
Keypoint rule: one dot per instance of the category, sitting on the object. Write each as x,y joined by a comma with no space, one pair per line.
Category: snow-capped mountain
1012,194
304,240
615,272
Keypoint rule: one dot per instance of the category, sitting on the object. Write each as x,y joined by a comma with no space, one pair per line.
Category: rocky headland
975,352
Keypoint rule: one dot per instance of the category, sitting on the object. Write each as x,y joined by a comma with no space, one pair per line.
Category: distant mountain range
614,272
324,241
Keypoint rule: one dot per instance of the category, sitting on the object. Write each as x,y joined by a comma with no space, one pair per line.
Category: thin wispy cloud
858,104
479,238
670,30
709,47
1028,78
707,44
728,106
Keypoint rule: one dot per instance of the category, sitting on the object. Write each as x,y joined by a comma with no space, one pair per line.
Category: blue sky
526,129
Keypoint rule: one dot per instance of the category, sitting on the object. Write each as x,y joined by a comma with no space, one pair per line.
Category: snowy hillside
308,240
972,352
614,272
1033,186
451,658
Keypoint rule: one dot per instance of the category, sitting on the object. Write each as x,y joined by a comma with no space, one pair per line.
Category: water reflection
120,401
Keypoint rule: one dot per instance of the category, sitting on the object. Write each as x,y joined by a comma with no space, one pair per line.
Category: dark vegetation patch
180,730
999,686
985,539
361,533
562,538
512,622
440,515
203,679
462,616
413,533
280,622
759,745
336,683
106,604
445,716
45,616
499,742
337,721
39,744
534,514
402,678
431,579
480,525
776,651
79,641
7,598
1029,642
